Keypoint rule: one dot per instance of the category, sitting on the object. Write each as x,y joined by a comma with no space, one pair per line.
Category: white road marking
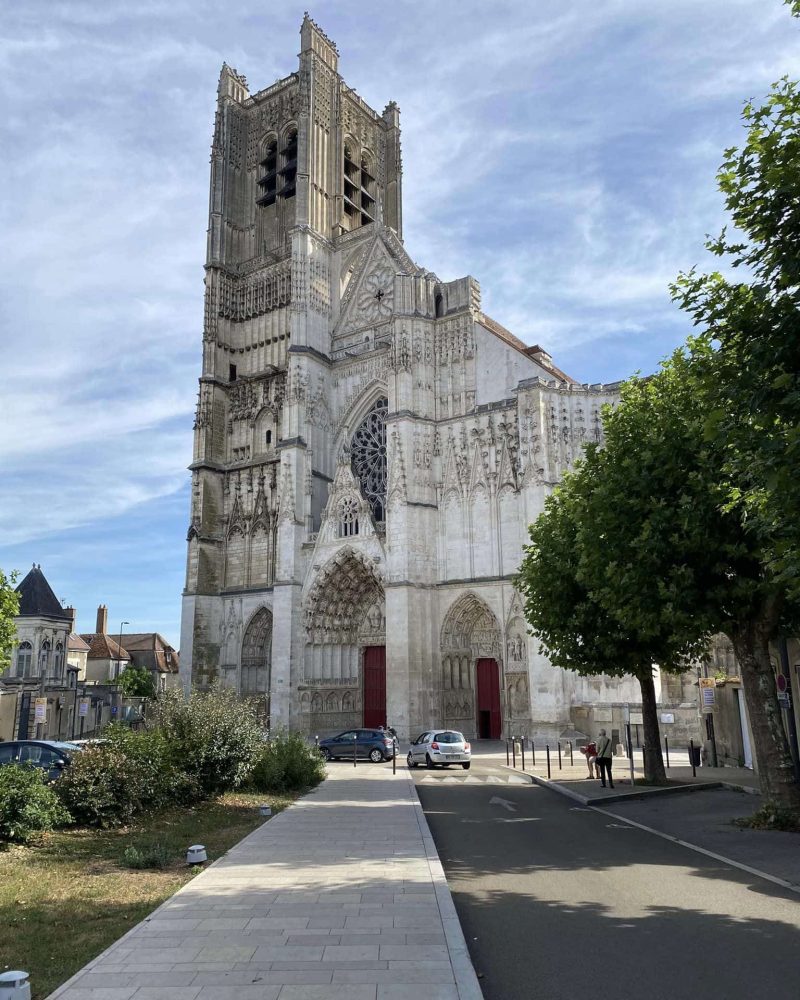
496,801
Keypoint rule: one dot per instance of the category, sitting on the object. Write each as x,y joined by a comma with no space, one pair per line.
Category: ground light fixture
196,855
265,810
14,986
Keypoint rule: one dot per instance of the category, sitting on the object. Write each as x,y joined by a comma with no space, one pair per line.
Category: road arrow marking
495,801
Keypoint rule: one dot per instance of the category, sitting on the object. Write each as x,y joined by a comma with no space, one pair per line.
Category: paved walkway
341,895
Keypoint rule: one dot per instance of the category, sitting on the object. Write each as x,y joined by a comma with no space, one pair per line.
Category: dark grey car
374,744
51,756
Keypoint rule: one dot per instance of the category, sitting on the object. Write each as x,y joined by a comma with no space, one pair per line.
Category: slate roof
36,597
506,335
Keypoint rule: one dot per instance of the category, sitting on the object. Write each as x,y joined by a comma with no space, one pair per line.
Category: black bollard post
533,752
513,752
394,757
547,749
559,755
316,743
522,744
571,760
666,748
355,741
508,758
691,754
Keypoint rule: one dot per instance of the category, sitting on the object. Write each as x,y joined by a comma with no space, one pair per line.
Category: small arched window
24,655
268,437
58,660
348,518
44,658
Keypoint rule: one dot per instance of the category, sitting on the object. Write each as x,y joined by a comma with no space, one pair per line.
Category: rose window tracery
377,294
368,457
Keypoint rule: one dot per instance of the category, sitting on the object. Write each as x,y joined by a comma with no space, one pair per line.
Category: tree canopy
137,682
9,609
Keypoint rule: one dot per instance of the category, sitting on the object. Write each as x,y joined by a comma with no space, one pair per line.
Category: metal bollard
355,741
559,755
513,752
547,748
522,745
691,756
666,748
533,752
394,757
508,758
571,761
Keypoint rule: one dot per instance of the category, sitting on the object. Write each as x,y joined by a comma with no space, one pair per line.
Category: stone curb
642,793
467,984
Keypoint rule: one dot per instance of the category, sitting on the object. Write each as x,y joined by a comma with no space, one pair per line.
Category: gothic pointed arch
471,627
345,589
256,662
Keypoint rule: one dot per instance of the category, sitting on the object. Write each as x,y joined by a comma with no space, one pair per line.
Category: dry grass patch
67,897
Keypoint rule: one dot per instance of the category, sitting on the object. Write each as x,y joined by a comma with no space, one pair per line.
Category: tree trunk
654,772
770,743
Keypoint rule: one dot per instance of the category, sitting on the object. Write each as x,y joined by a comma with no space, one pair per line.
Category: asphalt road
558,901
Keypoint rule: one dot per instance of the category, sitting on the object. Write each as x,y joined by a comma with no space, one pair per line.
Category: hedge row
192,749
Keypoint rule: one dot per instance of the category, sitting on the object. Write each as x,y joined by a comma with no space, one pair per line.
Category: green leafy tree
137,682
9,609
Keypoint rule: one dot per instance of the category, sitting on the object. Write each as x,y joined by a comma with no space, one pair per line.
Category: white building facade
370,447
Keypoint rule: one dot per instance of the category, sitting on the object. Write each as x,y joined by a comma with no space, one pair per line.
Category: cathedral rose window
368,457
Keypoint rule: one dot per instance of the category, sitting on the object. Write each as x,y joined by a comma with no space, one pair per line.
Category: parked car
442,747
374,744
50,755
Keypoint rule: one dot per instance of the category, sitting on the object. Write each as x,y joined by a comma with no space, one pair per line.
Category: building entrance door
374,686
488,685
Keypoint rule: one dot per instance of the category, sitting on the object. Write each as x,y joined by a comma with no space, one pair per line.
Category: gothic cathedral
369,445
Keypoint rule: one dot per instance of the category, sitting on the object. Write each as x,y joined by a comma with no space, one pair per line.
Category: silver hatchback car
440,746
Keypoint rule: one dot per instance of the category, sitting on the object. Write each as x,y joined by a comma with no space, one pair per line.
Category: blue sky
563,153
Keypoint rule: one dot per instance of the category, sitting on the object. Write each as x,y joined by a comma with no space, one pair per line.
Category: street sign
707,691
83,707
667,717
40,711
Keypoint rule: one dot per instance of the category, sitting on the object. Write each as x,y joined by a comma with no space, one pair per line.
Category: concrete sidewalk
341,895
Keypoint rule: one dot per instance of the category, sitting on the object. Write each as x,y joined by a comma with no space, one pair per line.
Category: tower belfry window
359,188
268,181
288,170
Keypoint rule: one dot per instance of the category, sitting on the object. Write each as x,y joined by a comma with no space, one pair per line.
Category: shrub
27,803
161,779
103,786
155,855
771,817
286,763
214,737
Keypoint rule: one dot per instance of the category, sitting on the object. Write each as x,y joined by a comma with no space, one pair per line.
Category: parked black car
50,755
374,744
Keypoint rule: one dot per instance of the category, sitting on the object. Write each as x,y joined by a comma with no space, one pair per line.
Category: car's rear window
449,738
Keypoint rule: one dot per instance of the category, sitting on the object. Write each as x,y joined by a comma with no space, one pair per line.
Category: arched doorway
345,657
256,663
471,650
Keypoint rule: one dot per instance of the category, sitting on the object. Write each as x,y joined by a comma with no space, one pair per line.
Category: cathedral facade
369,445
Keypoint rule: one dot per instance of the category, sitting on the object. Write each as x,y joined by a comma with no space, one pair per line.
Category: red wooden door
488,682
374,686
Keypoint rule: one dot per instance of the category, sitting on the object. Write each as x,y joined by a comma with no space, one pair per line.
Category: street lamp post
119,661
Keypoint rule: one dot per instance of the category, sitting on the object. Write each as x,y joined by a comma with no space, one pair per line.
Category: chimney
73,614
102,620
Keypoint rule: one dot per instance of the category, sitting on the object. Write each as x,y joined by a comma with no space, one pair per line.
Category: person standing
604,758
590,753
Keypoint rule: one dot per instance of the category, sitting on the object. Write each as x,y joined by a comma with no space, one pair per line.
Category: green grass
67,897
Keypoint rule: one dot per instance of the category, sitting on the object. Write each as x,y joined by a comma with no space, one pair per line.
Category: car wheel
465,766
325,754
376,756
410,760
428,761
